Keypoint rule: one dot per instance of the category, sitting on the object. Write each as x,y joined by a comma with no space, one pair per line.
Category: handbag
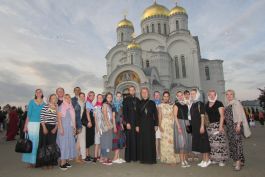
206,118
24,145
84,120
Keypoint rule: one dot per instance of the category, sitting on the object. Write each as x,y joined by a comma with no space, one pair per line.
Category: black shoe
88,159
95,160
68,165
63,167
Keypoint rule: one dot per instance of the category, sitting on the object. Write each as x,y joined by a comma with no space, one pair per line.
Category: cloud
49,43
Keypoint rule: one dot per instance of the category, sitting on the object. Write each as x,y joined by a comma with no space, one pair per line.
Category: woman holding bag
182,139
32,127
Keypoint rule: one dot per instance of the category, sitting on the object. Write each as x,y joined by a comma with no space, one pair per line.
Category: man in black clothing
147,125
130,111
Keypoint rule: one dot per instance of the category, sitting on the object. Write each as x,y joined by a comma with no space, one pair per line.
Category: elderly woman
32,127
237,125
217,136
200,140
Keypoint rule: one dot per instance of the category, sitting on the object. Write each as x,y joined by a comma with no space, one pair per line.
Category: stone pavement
11,165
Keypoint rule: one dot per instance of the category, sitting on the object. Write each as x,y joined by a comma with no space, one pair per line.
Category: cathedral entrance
126,79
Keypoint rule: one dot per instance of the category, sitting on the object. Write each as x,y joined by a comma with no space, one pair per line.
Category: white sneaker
117,161
186,163
206,164
201,163
183,165
221,164
122,161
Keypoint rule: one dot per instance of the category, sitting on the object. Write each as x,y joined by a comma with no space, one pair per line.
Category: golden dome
177,10
133,45
125,23
155,10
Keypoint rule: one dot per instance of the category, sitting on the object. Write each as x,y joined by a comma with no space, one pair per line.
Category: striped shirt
48,115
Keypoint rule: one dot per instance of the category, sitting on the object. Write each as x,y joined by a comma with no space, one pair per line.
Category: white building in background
165,56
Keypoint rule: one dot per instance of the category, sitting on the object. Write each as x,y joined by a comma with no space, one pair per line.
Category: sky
47,43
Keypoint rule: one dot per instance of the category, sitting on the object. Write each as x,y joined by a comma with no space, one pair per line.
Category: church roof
155,10
177,10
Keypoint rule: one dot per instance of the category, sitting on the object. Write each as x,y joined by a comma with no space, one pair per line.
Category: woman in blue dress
66,132
32,127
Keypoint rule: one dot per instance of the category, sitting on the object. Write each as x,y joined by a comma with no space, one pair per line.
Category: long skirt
82,140
66,142
33,132
168,154
218,143
235,140
47,140
182,142
106,141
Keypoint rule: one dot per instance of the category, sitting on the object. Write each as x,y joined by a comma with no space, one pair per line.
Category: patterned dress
167,136
234,139
218,141
119,138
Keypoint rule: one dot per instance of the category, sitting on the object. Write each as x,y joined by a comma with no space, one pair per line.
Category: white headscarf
197,98
214,100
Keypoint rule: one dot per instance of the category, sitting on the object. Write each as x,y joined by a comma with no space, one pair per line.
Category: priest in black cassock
147,125
130,113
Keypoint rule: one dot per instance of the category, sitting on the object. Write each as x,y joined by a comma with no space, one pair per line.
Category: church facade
165,56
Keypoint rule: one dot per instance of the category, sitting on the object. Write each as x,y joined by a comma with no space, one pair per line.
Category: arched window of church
147,64
165,28
131,59
153,28
147,29
177,25
121,37
159,28
177,67
207,72
184,74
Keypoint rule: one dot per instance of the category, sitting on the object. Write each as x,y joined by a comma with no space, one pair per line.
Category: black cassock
130,112
148,119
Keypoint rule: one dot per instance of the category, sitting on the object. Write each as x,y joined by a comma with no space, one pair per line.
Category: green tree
262,98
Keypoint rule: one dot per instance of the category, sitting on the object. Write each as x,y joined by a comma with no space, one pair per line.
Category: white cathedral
165,56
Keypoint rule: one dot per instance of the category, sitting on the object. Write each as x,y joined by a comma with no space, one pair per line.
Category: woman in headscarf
98,115
182,139
67,131
217,136
118,142
237,125
200,140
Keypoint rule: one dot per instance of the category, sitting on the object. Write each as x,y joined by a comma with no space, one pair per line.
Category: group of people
147,129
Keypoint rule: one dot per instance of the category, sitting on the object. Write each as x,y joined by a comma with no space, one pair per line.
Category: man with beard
130,111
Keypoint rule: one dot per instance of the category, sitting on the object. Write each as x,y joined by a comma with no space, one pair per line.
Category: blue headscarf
117,104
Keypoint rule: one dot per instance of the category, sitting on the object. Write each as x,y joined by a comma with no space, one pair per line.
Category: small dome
125,23
133,45
155,10
177,10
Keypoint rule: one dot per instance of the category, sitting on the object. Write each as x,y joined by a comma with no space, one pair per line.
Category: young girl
98,115
118,141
